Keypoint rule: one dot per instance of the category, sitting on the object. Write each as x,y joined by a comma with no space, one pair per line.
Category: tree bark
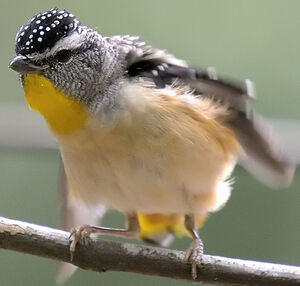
101,256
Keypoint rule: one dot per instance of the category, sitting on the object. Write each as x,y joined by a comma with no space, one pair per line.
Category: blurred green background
256,39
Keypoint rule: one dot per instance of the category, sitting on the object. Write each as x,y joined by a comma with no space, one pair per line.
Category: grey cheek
74,85
67,85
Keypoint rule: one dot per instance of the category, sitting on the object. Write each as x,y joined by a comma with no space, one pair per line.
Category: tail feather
74,213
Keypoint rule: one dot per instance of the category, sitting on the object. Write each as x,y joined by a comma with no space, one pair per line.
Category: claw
194,256
76,234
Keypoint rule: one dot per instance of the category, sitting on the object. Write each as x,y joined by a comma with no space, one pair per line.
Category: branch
102,256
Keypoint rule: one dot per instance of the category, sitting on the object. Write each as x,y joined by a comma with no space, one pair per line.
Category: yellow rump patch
159,223
63,114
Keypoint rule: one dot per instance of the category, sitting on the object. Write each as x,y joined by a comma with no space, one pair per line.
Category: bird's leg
83,232
194,253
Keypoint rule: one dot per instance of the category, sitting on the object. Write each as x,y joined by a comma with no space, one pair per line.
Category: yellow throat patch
63,114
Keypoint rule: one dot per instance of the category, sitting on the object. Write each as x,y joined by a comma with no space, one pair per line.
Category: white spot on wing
155,72
250,88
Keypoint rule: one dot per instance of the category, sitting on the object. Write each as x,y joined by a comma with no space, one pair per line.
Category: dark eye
63,56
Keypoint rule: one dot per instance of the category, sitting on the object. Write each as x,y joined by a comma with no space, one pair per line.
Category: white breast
162,155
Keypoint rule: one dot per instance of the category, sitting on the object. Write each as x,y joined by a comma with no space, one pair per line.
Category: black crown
44,30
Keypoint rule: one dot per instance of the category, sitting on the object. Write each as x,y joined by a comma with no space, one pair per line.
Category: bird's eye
63,56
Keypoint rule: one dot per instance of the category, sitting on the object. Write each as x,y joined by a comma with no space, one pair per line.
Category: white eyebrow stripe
71,42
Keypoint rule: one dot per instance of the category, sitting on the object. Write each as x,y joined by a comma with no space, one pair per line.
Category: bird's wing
74,213
263,155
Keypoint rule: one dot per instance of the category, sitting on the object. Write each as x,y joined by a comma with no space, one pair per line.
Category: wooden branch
99,255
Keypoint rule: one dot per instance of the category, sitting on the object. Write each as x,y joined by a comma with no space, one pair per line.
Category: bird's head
75,58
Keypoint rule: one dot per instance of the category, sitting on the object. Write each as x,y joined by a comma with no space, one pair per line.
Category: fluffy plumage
158,138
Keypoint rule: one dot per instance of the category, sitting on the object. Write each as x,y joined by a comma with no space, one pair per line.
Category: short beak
21,64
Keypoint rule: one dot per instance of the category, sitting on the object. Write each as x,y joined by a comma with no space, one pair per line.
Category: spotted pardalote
140,131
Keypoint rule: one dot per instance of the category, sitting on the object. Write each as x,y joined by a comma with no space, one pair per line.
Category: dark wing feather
264,157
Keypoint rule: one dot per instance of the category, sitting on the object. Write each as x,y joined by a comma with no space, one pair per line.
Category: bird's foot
79,233
194,255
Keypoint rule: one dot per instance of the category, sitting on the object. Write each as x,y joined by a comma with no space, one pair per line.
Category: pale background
257,39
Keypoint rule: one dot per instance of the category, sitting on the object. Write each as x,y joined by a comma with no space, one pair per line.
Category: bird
141,131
